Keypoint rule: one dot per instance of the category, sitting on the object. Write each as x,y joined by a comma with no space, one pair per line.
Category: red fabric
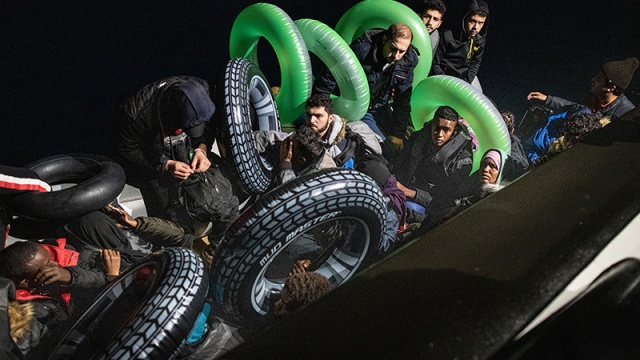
23,184
63,257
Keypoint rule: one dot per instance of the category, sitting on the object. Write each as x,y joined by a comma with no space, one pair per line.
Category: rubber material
471,104
99,181
240,273
246,92
272,23
145,313
343,64
370,14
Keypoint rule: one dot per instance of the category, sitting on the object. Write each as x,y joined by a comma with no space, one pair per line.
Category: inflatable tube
370,14
99,181
269,21
333,217
249,106
471,104
145,313
345,67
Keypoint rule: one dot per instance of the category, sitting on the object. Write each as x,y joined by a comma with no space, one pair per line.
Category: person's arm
159,232
401,116
437,61
286,173
267,139
417,195
200,161
111,260
555,102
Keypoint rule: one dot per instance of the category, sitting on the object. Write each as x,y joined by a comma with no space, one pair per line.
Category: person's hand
397,143
123,218
409,193
537,96
200,162
53,273
179,170
111,260
300,266
286,151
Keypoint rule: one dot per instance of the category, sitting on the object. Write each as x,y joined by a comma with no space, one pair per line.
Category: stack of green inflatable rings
292,42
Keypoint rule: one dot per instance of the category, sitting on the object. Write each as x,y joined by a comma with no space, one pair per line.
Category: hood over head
476,5
186,105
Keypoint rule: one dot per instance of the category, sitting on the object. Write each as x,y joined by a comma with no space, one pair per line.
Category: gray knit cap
621,72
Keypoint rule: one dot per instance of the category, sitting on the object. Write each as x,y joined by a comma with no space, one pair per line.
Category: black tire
244,281
146,313
248,106
99,181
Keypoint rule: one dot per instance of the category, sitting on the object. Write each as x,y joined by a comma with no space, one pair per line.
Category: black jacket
617,108
460,56
384,86
138,142
438,175
517,163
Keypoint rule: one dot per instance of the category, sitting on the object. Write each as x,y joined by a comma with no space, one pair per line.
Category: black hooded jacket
438,175
138,141
460,56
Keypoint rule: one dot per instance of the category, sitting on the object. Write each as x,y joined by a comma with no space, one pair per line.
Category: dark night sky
65,66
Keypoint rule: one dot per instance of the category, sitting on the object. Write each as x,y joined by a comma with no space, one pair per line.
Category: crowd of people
166,135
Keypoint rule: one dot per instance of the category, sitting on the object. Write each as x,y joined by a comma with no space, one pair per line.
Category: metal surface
467,287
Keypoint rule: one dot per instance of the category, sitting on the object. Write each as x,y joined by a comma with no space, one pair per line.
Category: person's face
474,24
599,84
319,119
394,49
432,19
41,260
488,171
441,131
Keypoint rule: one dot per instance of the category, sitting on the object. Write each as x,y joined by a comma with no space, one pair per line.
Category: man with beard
388,60
606,96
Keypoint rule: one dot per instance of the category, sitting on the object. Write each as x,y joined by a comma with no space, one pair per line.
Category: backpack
208,196
355,151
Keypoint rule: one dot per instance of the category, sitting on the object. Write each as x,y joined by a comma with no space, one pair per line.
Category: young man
433,169
388,60
431,14
151,124
339,138
301,153
461,56
606,94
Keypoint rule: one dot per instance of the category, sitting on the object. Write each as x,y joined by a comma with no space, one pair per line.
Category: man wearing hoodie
153,124
461,56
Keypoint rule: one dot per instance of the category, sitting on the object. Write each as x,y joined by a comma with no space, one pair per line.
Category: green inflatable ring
471,104
371,14
272,23
336,54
